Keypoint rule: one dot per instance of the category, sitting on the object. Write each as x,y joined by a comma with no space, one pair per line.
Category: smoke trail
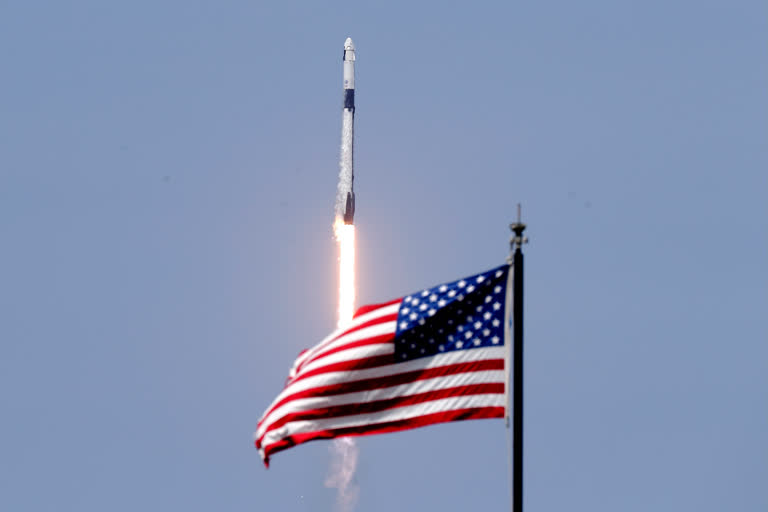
343,464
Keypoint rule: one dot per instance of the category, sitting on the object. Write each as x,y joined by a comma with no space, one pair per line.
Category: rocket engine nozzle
349,209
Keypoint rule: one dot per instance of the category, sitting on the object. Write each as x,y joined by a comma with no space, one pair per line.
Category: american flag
437,355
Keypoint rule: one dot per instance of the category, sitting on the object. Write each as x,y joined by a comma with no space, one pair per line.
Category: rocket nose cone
348,44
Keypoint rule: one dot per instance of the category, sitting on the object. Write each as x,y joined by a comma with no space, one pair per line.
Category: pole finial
517,241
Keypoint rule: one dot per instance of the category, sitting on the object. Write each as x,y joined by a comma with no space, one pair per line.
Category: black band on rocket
349,98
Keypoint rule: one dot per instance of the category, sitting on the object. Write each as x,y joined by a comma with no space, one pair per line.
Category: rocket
345,196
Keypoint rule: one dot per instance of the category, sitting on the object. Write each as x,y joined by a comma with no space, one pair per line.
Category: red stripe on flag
373,340
390,403
348,366
369,323
370,307
380,428
389,380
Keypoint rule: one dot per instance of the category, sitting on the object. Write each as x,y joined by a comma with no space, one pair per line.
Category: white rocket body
349,64
345,196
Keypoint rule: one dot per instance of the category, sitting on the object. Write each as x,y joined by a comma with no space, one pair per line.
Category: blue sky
167,179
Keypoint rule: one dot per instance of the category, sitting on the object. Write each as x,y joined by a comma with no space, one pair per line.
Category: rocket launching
344,225
344,448
345,196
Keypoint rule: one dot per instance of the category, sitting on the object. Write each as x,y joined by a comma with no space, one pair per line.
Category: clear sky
167,180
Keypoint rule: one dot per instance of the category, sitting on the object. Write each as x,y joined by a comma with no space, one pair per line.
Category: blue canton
462,315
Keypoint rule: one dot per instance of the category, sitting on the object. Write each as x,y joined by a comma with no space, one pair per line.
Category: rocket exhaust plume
343,464
344,450
345,236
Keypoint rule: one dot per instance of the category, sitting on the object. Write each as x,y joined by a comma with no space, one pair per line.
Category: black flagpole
516,243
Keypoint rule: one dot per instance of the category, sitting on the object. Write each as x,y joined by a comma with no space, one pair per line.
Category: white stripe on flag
402,390
367,317
389,415
368,332
422,363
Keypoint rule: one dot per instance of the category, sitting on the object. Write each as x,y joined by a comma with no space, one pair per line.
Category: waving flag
437,355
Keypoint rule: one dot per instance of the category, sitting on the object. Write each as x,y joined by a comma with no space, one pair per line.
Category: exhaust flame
345,236
344,449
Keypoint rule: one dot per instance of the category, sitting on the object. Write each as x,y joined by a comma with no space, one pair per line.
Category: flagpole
516,243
